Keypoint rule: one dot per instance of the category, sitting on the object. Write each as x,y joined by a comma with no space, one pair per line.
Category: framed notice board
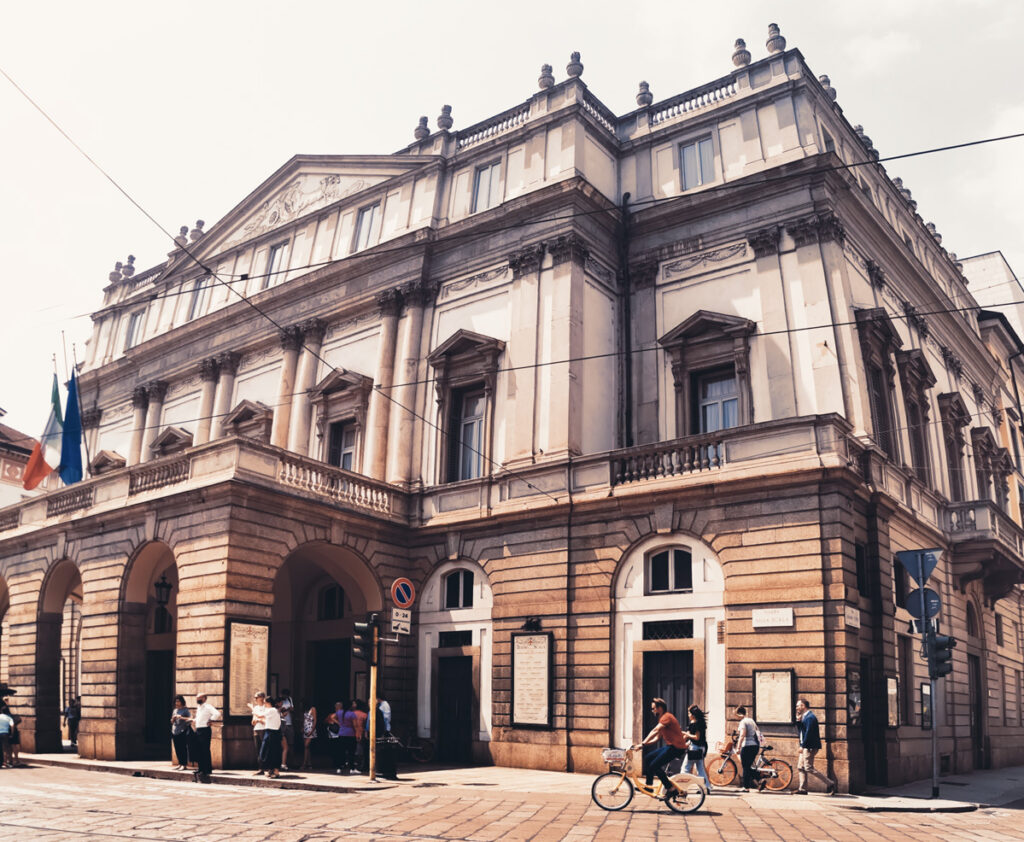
532,679
773,696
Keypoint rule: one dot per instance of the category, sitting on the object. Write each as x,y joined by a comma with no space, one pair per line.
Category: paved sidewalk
959,793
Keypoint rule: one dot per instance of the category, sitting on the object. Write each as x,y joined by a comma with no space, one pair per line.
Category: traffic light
364,640
940,655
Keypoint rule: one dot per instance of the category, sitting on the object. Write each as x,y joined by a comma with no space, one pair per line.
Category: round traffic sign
403,593
932,603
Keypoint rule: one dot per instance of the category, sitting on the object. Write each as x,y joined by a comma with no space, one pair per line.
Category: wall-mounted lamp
163,590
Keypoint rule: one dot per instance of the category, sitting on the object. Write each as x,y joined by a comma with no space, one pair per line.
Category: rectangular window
1014,437
954,459
881,414
906,665
448,639
830,144
668,630
918,440
861,561
999,631
670,571
717,401
367,227
341,445
458,589
133,335
200,295
276,264
465,434
698,163
901,583
486,186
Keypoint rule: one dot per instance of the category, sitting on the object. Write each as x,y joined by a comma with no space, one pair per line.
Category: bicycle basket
634,762
614,756
723,747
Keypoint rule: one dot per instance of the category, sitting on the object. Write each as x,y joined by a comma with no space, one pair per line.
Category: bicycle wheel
782,778
612,791
722,771
423,751
688,797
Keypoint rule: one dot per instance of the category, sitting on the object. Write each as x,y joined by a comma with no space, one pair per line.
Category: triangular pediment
247,411
706,324
465,341
172,440
341,380
302,186
106,461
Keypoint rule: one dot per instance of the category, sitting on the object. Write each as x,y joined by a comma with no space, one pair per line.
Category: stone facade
679,438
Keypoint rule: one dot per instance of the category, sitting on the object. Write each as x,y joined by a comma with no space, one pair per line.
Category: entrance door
455,703
159,699
977,708
874,716
668,676
327,681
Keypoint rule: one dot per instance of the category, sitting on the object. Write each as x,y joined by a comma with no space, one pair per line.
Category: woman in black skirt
181,729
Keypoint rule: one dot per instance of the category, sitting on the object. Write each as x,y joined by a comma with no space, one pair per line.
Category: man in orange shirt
675,746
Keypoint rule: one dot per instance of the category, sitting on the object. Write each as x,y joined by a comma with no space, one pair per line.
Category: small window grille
448,639
668,630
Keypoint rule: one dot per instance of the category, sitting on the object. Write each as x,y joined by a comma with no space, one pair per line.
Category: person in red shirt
667,729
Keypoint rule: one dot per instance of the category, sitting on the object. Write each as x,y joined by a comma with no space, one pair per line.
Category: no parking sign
403,593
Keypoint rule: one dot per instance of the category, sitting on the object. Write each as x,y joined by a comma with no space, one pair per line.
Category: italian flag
45,458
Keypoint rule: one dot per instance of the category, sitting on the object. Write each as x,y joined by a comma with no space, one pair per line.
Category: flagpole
64,341
85,438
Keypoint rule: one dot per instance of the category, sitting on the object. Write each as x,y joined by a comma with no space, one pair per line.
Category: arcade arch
667,606
58,651
453,689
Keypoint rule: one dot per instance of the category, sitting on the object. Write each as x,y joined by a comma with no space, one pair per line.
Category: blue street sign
932,603
919,563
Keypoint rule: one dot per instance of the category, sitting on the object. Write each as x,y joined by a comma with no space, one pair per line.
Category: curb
224,780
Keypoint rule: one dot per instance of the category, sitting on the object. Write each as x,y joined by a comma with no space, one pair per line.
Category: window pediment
341,380
466,343
984,443
250,419
953,410
171,440
877,332
106,461
706,326
914,369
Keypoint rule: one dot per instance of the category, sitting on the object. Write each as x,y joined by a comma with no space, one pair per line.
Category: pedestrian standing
333,722
810,745
202,720
270,754
180,730
286,707
697,734
6,726
308,732
72,716
258,708
347,738
362,736
385,711
748,740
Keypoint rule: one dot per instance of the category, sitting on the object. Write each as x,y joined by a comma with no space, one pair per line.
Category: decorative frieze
599,271
733,251
526,261
452,288
764,242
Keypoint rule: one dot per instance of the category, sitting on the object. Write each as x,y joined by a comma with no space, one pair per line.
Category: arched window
330,603
972,621
669,570
458,589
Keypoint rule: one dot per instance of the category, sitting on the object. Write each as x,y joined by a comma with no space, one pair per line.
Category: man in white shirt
270,755
287,729
258,707
201,719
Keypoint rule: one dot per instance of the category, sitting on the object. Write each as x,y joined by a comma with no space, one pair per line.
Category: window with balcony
670,571
486,186
955,417
341,446
458,589
133,333
200,297
277,262
710,358
879,341
992,467
367,227
917,379
340,402
465,433
697,162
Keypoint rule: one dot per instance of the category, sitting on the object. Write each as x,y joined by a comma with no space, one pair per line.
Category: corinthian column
312,338
139,403
291,341
390,302
208,372
155,391
227,364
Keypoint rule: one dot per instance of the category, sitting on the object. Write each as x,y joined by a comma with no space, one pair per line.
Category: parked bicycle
724,769
615,788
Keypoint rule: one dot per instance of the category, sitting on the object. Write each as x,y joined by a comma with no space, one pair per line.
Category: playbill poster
249,656
531,680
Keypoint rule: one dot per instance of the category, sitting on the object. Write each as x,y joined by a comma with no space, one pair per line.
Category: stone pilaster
140,401
291,342
209,371
375,454
313,332
227,364
156,392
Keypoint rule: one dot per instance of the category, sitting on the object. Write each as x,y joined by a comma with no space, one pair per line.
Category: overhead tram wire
247,300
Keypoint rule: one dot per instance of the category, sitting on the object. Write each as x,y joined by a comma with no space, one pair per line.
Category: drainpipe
568,621
627,326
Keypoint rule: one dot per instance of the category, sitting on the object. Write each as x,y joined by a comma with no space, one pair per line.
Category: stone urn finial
864,138
575,67
740,53
775,43
547,78
116,274
128,269
444,120
934,232
197,232
422,130
826,83
644,97
182,238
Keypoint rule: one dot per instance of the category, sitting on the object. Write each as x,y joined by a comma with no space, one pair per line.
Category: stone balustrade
336,484
158,475
672,459
972,518
499,124
593,106
75,498
693,100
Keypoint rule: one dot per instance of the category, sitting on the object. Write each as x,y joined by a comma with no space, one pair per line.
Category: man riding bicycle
667,729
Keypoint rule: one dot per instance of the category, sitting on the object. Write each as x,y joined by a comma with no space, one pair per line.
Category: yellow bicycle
615,788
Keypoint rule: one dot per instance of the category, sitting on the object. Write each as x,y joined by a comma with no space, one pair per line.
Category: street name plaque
249,651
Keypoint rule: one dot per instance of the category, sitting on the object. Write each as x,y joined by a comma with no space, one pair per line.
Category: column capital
526,260
140,398
568,247
643,273
389,301
227,361
313,330
91,418
291,338
764,242
419,293
209,370
156,390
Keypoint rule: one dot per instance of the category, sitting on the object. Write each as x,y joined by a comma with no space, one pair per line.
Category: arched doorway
977,697
668,607
58,654
146,656
453,690
319,592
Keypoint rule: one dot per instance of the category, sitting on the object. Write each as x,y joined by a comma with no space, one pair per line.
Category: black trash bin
387,757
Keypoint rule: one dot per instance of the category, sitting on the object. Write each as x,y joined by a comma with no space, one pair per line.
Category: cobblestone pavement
50,804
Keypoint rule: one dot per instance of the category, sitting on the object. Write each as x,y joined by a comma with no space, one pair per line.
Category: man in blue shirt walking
810,744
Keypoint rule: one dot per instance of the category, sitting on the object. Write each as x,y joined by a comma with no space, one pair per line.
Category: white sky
189,106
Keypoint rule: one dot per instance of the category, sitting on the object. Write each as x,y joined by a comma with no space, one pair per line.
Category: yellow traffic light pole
373,703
